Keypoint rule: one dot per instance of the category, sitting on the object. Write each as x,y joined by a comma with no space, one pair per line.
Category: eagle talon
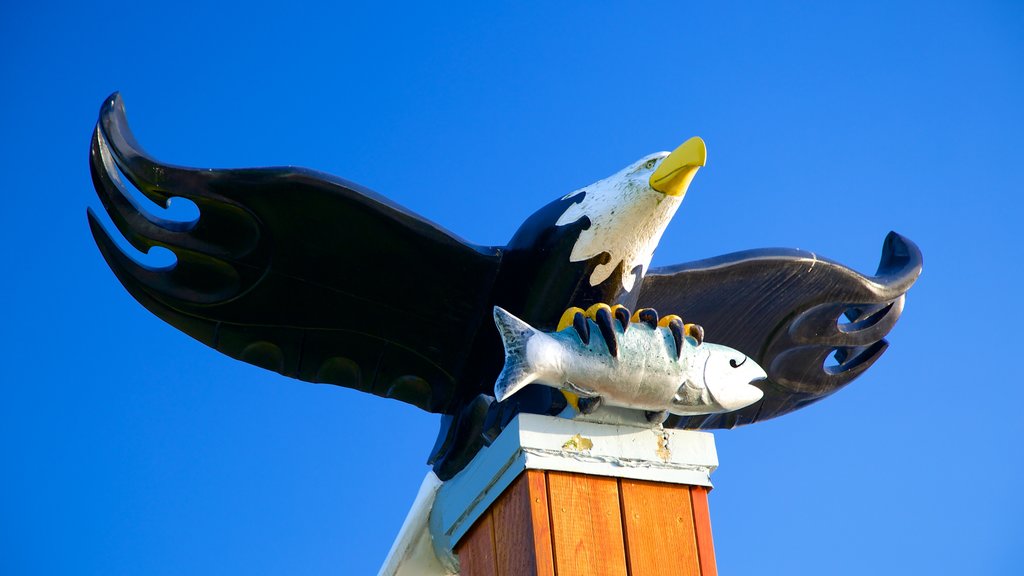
576,318
593,310
579,323
669,319
567,317
648,316
675,327
695,331
621,313
603,319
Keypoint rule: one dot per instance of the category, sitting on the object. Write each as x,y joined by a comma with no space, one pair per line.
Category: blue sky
129,448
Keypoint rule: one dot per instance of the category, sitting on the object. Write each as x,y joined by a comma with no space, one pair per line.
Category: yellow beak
676,171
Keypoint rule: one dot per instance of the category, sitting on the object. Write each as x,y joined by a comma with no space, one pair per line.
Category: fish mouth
739,396
736,396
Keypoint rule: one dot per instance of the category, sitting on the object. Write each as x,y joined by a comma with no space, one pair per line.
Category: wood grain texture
476,549
658,519
548,523
522,531
586,525
702,526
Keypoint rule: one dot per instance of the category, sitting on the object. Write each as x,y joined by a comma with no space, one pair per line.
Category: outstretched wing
296,271
812,324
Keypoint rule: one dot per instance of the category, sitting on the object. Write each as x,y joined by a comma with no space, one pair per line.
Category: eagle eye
650,163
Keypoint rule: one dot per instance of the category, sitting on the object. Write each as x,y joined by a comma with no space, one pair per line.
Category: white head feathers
627,219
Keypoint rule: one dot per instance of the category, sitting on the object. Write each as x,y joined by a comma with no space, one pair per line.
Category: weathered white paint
412,553
627,219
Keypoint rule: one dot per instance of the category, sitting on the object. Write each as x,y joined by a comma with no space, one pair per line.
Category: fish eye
650,163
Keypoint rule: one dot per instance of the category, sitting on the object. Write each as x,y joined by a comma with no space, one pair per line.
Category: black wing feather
296,271
785,309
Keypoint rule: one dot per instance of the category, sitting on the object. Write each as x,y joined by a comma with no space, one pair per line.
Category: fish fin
656,416
589,405
518,372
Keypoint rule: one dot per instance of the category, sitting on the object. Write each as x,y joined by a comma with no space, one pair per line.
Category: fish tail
518,371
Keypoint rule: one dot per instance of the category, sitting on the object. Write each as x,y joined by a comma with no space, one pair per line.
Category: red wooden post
563,523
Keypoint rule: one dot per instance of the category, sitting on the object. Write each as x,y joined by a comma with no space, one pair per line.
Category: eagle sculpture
322,280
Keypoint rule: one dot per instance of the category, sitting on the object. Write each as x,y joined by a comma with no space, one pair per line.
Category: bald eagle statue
310,276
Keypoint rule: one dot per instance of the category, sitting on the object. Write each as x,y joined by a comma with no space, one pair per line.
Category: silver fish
643,369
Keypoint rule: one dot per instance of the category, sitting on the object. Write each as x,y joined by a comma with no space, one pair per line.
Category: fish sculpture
661,367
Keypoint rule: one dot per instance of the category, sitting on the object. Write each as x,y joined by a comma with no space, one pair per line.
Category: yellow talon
567,317
636,315
665,320
616,308
694,331
572,399
566,321
592,311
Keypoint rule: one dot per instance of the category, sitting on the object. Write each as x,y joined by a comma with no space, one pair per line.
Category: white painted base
412,553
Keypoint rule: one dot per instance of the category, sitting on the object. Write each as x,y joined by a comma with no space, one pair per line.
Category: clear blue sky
129,448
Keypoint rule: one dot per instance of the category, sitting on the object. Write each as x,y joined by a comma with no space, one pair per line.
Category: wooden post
569,497
563,523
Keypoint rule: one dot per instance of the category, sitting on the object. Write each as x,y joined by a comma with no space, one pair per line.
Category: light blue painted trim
461,500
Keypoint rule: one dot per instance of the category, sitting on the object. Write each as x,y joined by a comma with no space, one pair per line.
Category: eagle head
629,210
